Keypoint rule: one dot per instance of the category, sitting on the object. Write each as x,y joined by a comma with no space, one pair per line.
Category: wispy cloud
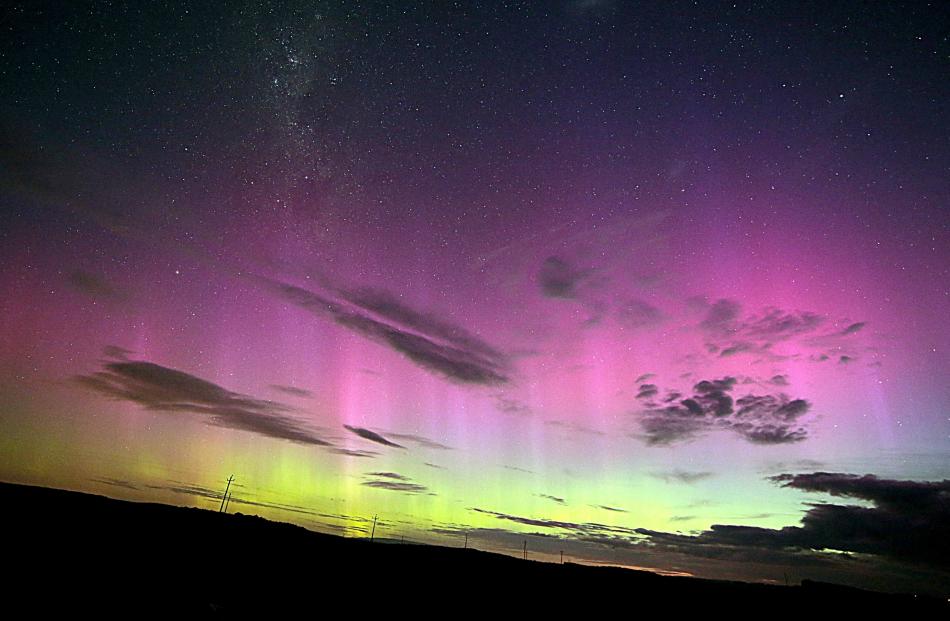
352,452
395,482
558,279
93,285
117,353
517,469
854,328
573,429
163,389
430,343
580,529
372,436
116,482
730,332
418,440
639,314
511,405
681,476
293,391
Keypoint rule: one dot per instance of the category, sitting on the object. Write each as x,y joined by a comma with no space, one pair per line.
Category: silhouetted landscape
72,551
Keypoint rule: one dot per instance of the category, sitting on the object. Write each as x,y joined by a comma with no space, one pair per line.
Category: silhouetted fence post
525,552
373,534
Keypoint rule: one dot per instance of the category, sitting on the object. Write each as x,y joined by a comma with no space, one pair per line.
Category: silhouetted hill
72,551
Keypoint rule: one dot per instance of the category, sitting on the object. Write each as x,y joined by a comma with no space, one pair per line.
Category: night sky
661,285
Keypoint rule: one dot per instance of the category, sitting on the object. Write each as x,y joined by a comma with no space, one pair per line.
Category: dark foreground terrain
67,551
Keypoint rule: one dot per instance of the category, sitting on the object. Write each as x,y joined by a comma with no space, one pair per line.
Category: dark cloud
909,521
722,552
722,316
771,433
510,405
779,380
925,497
799,464
739,348
845,359
451,362
517,469
395,482
573,428
116,352
644,378
116,482
388,475
353,452
431,344
855,327
770,419
730,333
92,285
647,391
419,441
614,509
596,309
188,489
540,523
777,325
556,499
669,426
558,279
292,391
765,419
198,491
712,396
681,476
639,314
388,306
577,529
162,389
372,436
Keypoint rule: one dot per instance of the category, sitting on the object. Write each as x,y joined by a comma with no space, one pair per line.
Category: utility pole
466,541
225,497
373,534
562,557
525,553
227,503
